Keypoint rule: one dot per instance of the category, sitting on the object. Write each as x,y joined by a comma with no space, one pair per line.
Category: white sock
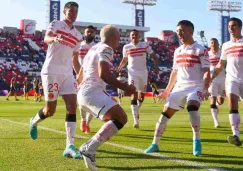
70,132
195,124
35,120
82,114
160,128
235,123
135,113
139,103
103,135
89,118
215,116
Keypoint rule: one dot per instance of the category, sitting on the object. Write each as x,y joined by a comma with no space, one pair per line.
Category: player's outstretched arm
122,64
107,76
76,65
219,67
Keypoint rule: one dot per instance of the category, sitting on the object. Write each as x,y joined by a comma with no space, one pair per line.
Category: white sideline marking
159,155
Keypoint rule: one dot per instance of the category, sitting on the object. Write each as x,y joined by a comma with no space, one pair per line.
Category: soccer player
135,54
89,35
155,89
189,80
36,88
119,91
217,87
232,54
94,76
12,89
41,91
26,89
63,41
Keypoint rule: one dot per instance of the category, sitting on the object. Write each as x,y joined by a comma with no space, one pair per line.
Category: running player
36,88
155,91
41,91
217,87
89,35
189,80
12,89
26,89
135,54
63,41
119,91
92,97
232,54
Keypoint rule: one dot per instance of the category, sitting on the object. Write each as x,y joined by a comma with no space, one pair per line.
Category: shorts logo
199,94
50,95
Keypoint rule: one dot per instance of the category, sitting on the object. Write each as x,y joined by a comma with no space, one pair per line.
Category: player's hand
130,89
58,38
163,94
205,94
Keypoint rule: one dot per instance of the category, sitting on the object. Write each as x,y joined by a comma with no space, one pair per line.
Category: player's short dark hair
90,27
135,30
214,39
70,4
237,20
186,23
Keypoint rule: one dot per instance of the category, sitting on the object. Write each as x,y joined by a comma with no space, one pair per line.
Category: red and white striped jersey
190,61
136,55
59,55
99,52
214,59
233,53
83,50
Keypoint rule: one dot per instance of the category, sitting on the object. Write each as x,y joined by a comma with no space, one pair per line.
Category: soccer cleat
216,126
89,158
136,125
71,152
7,99
197,147
16,99
234,140
83,126
87,131
33,130
152,148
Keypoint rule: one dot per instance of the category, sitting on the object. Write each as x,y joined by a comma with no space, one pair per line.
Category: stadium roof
140,2
122,27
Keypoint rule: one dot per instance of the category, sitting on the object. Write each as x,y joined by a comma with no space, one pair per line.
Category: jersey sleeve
52,27
124,52
106,55
149,50
204,58
223,53
175,66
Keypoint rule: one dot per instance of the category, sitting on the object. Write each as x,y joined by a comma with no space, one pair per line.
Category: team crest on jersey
50,95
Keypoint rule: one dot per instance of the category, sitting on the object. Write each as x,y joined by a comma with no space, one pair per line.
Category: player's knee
118,124
192,108
165,114
134,102
213,106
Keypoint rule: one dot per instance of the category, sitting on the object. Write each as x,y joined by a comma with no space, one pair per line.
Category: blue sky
163,16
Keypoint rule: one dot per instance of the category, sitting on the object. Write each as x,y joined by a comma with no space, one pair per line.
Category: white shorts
217,89
97,102
234,88
119,91
179,97
58,84
139,81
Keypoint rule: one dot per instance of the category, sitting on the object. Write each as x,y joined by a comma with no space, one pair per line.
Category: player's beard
89,39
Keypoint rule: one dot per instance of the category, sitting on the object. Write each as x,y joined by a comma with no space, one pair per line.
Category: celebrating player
217,87
57,77
232,54
190,78
135,53
92,97
89,35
